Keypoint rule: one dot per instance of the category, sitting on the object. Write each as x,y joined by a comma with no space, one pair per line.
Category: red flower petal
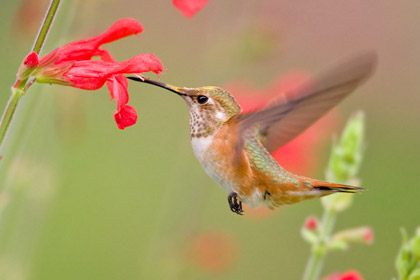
92,74
120,29
189,7
351,275
125,116
117,86
85,49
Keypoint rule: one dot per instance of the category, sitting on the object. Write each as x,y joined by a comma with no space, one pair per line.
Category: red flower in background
299,155
27,17
368,236
214,251
189,7
71,65
349,275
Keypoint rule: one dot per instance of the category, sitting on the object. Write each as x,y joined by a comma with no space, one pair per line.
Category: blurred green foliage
408,259
81,199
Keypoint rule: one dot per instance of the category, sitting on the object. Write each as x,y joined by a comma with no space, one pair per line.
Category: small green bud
338,245
338,201
345,160
309,236
346,155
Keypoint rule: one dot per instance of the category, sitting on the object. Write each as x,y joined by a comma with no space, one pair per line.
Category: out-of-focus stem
314,265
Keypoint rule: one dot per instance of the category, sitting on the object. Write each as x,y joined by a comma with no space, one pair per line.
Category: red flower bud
31,60
311,223
368,236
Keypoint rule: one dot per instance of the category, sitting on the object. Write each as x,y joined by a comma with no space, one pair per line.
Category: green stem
19,91
45,26
319,250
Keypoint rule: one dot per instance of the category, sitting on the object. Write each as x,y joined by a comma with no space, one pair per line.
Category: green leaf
345,161
415,275
346,156
403,260
415,245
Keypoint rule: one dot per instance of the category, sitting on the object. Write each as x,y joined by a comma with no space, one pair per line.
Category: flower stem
314,265
17,93
22,86
46,25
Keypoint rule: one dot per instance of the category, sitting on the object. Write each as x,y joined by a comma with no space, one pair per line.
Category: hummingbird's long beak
172,88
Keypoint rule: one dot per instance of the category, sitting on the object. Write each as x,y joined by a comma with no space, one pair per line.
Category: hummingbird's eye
202,99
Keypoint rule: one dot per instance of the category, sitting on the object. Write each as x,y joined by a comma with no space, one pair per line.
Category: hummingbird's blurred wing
297,110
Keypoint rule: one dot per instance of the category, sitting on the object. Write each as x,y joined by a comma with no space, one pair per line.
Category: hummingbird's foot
235,204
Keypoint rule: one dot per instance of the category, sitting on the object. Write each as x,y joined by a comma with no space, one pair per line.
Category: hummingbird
235,148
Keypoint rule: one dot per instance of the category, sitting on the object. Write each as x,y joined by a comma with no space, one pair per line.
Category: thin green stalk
343,166
46,25
19,91
9,112
314,265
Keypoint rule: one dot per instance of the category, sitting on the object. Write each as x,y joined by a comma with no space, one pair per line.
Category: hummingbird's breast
216,154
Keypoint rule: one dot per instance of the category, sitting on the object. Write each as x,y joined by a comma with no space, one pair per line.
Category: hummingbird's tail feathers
332,187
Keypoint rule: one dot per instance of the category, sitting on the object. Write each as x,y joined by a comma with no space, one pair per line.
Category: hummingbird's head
210,102
209,107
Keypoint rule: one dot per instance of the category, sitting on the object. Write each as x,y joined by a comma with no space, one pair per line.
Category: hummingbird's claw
235,204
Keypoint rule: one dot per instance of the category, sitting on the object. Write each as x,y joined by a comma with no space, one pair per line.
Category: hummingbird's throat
204,122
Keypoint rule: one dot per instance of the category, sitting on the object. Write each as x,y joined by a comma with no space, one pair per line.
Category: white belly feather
207,158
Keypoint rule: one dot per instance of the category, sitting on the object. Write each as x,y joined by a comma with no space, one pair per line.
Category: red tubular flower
349,275
214,251
189,7
71,65
357,235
